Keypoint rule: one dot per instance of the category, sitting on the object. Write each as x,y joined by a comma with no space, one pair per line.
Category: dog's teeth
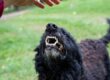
55,43
48,40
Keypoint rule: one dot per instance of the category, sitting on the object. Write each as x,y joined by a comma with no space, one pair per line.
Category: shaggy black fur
85,61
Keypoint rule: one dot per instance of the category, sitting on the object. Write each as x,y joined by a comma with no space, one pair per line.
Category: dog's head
57,44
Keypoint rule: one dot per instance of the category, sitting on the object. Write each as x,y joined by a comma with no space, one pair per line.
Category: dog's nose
51,27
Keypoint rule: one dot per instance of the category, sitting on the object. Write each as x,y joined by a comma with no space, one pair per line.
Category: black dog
59,57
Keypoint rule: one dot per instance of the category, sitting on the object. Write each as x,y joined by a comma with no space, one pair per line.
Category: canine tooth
47,41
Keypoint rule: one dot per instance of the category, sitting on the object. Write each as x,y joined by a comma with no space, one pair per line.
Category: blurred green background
21,31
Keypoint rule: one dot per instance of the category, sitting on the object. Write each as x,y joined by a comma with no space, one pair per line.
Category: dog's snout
51,27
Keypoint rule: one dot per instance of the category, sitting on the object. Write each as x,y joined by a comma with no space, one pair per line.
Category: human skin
6,3
1,7
48,2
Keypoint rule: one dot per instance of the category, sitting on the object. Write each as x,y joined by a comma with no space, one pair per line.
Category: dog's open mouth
53,41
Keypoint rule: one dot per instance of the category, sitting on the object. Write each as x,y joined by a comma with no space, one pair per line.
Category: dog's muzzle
53,41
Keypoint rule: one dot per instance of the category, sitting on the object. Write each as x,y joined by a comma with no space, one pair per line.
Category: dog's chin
51,53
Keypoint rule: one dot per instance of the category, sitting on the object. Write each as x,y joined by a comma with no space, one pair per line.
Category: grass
19,35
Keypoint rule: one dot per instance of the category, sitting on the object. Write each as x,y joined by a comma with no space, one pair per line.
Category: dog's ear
73,46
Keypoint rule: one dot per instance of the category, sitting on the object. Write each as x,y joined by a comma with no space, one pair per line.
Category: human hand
1,7
48,2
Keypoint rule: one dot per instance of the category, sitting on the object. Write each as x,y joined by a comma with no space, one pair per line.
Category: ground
19,34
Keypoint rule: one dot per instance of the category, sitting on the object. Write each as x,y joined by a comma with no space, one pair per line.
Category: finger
38,4
56,1
48,2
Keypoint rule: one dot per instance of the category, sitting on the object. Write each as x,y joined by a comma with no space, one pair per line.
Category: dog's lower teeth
51,41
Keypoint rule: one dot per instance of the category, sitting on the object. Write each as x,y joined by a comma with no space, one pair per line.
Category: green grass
19,35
